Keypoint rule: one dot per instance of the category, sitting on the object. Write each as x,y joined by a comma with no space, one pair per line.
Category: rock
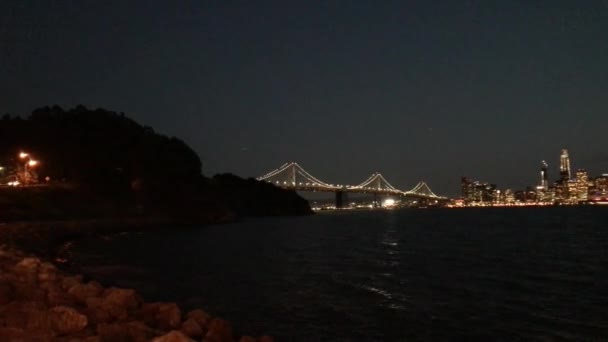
219,331
173,336
200,316
29,335
95,312
140,331
47,272
113,333
265,338
98,315
126,298
65,320
247,339
166,316
101,311
25,315
27,264
7,293
29,291
95,338
191,328
148,312
128,332
27,270
55,296
81,292
169,316
70,281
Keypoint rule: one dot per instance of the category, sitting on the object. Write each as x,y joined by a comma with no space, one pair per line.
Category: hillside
94,163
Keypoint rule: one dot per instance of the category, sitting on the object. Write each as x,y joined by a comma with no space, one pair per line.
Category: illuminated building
600,184
561,191
466,189
572,196
500,197
582,185
544,178
475,192
525,196
564,165
549,196
509,196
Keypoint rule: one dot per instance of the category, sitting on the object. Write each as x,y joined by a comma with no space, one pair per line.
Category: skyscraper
564,165
582,185
544,178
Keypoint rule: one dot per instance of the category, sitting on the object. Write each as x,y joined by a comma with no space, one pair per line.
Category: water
523,273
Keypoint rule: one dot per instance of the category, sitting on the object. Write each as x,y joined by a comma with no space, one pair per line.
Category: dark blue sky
427,90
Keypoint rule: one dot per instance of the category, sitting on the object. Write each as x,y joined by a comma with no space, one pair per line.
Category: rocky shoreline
41,303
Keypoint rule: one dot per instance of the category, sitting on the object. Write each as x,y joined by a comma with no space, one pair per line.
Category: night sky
429,90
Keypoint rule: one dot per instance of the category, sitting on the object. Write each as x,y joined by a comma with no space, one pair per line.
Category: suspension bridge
294,177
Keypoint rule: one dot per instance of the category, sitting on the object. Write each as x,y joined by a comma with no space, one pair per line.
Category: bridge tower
341,199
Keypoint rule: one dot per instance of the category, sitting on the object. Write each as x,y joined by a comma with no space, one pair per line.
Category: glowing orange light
23,155
32,163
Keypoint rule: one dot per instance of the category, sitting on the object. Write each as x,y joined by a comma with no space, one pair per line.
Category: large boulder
126,298
113,332
28,265
169,316
94,338
7,292
191,328
47,272
139,331
82,292
165,316
28,291
25,315
101,311
68,282
27,335
56,296
219,331
173,336
128,332
66,320
200,316
26,272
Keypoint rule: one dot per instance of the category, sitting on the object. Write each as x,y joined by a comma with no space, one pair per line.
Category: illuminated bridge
293,176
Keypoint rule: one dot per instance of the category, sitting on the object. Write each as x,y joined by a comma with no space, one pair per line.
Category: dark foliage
107,155
250,197
100,149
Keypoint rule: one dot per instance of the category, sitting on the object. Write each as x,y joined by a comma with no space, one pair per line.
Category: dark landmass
101,164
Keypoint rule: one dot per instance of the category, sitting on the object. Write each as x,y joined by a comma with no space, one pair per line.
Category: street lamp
28,162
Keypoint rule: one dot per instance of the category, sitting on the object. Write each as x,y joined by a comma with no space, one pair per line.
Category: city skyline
565,189
416,90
